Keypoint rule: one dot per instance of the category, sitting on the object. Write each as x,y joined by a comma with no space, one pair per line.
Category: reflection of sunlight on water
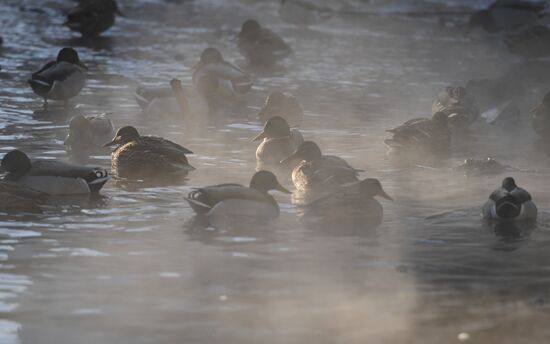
9,332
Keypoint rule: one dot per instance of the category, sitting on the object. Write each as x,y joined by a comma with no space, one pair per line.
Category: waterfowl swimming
351,205
92,17
217,79
506,15
423,135
541,118
88,134
532,42
317,172
261,46
51,176
509,203
139,156
233,200
481,167
61,79
278,142
304,12
458,105
282,105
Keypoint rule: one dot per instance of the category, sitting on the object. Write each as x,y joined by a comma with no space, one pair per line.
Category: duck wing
203,199
520,194
54,168
165,147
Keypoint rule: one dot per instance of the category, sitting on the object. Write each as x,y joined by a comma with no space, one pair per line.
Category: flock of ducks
334,186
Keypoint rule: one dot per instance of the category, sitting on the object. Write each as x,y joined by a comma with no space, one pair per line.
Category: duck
532,42
139,156
217,80
278,142
352,205
317,172
61,79
261,46
282,105
506,16
458,105
481,167
90,18
303,12
423,135
87,134
236,200
509,203
52,177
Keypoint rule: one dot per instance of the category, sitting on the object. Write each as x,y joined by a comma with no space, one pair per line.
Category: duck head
79,130
509,184
70,55
307,151
371,187
250,26
211,55
123,135
16,163
276,127
265,181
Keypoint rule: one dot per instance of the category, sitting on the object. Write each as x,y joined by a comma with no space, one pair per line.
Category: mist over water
131,266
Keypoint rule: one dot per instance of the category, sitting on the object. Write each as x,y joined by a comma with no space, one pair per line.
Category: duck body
92,17
88,134
459,107
261,46
509,203
52,177
507,15
62,79
533,42
282,105
319,173
423,135
353,206
147,156
235,200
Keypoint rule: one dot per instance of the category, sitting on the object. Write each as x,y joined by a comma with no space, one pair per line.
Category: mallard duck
237,200
259,45
278,142
51,176
147,156
304,12
88,134
92,17
353,204
481,167
506,15
509,203
61,79
458,105
318,172
285,106
541,118
533,42
422,134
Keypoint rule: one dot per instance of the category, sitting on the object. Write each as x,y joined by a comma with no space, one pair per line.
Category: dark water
129,268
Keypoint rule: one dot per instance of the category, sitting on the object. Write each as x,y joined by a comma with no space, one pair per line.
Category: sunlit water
130,268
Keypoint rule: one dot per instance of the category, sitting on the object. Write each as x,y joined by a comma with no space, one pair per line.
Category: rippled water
130,268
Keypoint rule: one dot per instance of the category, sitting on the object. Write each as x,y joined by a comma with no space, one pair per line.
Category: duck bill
282,189
114,142
260,136
383,194
289,158
81,65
